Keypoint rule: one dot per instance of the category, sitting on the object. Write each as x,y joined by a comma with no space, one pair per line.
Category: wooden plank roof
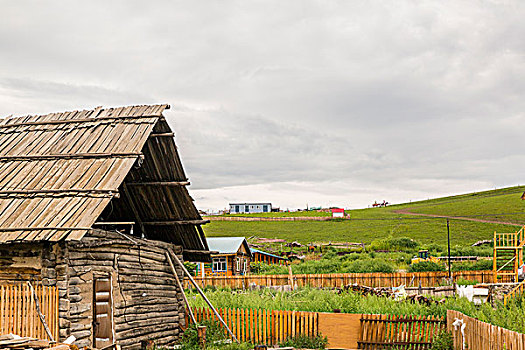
59,172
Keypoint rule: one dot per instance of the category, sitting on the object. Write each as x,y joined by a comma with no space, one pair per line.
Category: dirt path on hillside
408,212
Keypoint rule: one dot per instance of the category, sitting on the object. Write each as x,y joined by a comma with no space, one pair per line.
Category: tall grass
308,299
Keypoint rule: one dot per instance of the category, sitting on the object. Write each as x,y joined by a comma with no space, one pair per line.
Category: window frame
219,260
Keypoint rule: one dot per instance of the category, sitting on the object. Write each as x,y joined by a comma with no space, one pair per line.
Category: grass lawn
369,224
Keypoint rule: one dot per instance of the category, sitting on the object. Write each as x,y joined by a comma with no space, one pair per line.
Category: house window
238,260
219,264
265,208
247,209
244,266
236,208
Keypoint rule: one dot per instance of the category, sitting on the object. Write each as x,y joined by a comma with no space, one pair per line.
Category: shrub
426,266
191,267
305,342
464,282
472,266
262,268
442,341
367,265
394,243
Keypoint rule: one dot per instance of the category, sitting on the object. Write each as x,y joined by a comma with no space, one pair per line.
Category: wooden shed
268,258
93,202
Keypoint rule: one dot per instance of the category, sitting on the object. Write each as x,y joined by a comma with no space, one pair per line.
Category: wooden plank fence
427,279
482,336
267,327
271,327
401,332
18,313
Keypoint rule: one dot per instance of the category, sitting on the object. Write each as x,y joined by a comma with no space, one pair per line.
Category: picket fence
427,279
479,335
350,331
263,326
400,332
18,312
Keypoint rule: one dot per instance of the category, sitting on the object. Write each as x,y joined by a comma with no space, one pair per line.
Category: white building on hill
243,208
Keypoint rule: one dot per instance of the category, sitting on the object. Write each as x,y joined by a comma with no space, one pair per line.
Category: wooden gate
404,332
103,312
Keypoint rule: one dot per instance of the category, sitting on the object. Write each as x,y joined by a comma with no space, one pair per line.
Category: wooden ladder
508,255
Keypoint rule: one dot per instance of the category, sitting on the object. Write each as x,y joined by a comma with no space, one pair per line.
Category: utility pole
448,238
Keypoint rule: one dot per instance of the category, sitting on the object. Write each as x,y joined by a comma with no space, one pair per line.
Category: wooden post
181,289
42,317
290,277
202,294
201,336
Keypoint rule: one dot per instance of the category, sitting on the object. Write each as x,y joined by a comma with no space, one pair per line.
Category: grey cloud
376,94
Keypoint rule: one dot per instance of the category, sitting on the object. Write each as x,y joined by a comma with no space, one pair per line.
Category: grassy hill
503,206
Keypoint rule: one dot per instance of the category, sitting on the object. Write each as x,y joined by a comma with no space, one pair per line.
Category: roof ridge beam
57,190
55,193
79,120
9,229
29,157
158,183
175,222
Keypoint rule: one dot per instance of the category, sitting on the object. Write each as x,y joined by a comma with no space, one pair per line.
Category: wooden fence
264,326
518,290
18,313
344,331
480,335
401,332
427,279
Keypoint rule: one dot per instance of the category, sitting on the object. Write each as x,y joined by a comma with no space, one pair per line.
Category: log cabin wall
146,303
35,262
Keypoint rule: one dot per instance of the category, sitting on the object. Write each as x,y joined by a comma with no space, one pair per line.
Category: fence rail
401,332
480,335
18,313
264,326
427,279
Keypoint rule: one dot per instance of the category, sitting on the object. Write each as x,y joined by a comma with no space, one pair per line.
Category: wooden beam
181,289
164,134
9,229
176,222
133,208
42,317
114,223
69,156
158,183
59,190
196,251
202,294
79,120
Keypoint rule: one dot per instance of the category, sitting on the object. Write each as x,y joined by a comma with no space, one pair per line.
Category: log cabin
95,202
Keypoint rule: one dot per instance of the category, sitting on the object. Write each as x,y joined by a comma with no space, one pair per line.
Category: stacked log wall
147,305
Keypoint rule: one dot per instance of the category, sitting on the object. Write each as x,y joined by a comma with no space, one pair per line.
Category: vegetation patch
305,342
308,299
215,338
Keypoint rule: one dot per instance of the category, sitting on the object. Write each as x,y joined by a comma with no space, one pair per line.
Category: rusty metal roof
59,173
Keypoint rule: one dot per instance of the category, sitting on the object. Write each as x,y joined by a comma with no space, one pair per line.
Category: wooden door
102,312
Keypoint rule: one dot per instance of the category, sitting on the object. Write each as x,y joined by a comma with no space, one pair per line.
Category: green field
366,225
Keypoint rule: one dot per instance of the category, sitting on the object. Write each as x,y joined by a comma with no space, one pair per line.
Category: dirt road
408,212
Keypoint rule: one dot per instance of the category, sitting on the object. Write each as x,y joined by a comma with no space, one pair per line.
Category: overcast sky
292,102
